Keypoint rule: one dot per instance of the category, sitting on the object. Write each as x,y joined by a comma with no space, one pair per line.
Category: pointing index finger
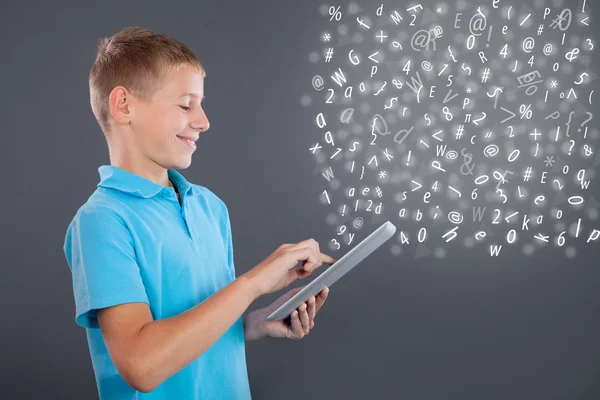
327,259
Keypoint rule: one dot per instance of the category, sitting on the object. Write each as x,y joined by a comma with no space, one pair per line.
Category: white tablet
337,270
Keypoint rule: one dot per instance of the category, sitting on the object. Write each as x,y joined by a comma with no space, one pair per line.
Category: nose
201,121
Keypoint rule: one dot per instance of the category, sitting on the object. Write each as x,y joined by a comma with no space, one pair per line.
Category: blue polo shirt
132,241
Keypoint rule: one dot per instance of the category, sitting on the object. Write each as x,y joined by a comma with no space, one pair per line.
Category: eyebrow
192,95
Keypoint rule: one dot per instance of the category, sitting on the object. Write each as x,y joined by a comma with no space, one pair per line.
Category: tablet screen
337,270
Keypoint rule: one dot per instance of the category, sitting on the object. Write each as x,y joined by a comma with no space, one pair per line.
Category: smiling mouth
188,142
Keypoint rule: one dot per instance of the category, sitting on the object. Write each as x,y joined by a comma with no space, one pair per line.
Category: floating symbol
317,82
358,222
491,150
586,121
548,49
452,155
527,175
392,100
559,22
451,55
512,115
329,54
528,44
527,80
455,217
485,76
572,144
335,13
572,55
549,161
569,123
449,97
581,78
447,114
397,83
478,23
588,150
496,94
421,40
467,158
525,111
426,65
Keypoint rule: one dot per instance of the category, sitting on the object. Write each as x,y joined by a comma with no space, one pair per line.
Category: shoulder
100,211
214,202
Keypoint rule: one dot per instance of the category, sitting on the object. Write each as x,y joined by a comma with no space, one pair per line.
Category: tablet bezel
374,240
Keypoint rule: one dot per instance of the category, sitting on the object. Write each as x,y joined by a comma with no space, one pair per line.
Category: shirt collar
125,181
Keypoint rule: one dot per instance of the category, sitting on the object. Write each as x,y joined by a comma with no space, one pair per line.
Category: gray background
466,326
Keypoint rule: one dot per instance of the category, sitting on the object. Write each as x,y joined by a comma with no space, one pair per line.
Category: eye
185,108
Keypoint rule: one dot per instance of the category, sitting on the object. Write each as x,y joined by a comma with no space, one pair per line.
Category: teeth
190,142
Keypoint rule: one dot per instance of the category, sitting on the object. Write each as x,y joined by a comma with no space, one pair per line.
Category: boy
151,254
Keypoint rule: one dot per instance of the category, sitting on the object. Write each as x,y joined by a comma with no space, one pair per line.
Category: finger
301,273
296,324
312,311
321,298
327,259
306,255
312,307
304,319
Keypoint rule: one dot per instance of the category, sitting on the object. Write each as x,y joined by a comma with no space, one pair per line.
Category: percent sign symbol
525,111
335,13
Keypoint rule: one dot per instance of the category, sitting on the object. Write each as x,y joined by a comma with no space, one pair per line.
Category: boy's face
159,127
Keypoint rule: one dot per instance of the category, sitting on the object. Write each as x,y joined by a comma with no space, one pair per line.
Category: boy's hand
294,327
277,271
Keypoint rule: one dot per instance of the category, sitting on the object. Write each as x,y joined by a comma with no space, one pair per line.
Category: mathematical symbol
381,36
317,147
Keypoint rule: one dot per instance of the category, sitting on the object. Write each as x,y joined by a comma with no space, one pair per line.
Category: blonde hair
137,59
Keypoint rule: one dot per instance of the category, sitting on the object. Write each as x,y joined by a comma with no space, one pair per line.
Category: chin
178,164
183,164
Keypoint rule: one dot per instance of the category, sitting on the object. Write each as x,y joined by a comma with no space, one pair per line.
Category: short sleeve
101,256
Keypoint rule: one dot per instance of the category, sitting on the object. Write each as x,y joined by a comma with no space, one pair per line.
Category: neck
141,166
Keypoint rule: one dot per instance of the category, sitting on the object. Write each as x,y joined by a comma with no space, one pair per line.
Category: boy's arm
147,352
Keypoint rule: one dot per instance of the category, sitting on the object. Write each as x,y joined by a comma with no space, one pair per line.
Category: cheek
165,127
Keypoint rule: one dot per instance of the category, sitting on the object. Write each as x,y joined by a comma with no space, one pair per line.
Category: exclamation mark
343,210
489,36
408,158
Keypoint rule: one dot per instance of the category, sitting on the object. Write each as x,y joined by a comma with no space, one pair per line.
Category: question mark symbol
586,121
572,144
